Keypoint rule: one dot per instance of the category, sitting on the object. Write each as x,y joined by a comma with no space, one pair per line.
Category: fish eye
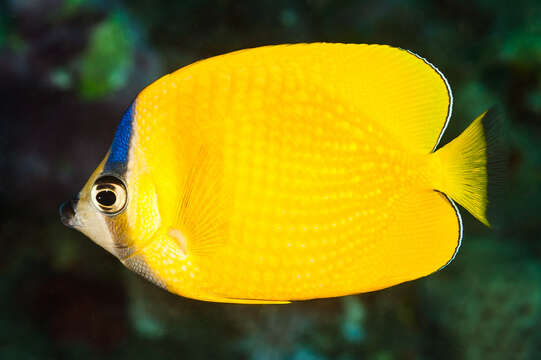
109,195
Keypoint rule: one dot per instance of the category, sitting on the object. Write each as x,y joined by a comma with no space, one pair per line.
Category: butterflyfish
289,172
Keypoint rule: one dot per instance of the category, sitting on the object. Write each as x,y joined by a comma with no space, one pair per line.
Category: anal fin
220,299
423,237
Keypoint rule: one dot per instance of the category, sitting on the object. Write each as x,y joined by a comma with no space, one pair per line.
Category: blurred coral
489,302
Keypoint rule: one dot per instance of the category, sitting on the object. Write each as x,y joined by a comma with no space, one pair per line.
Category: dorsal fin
400,90
396,88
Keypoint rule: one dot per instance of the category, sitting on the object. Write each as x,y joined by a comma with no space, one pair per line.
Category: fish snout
67,212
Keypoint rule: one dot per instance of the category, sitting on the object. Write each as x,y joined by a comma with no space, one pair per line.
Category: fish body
287,172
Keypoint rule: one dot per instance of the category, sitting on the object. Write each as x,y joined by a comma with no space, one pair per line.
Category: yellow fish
289,172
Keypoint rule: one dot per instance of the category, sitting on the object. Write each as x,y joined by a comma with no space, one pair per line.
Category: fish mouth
67,213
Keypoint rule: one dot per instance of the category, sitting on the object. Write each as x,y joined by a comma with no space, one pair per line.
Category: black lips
67,212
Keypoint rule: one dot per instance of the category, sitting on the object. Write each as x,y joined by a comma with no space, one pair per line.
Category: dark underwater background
69,68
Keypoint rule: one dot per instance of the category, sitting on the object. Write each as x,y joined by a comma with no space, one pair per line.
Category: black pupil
106,198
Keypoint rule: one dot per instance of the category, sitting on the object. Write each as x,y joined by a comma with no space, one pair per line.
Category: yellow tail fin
472,166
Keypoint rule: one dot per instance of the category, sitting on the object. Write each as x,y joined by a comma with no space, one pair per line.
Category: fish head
99,203
117,209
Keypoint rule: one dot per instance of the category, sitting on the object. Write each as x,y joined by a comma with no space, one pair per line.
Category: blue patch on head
121,142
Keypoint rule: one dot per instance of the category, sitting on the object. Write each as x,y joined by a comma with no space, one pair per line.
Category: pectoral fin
202,215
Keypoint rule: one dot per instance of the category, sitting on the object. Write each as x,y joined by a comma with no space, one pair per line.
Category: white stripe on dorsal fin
450,93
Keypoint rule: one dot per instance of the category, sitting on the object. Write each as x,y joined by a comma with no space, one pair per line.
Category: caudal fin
473,166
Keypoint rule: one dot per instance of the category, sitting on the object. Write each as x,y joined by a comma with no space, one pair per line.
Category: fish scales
310,192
